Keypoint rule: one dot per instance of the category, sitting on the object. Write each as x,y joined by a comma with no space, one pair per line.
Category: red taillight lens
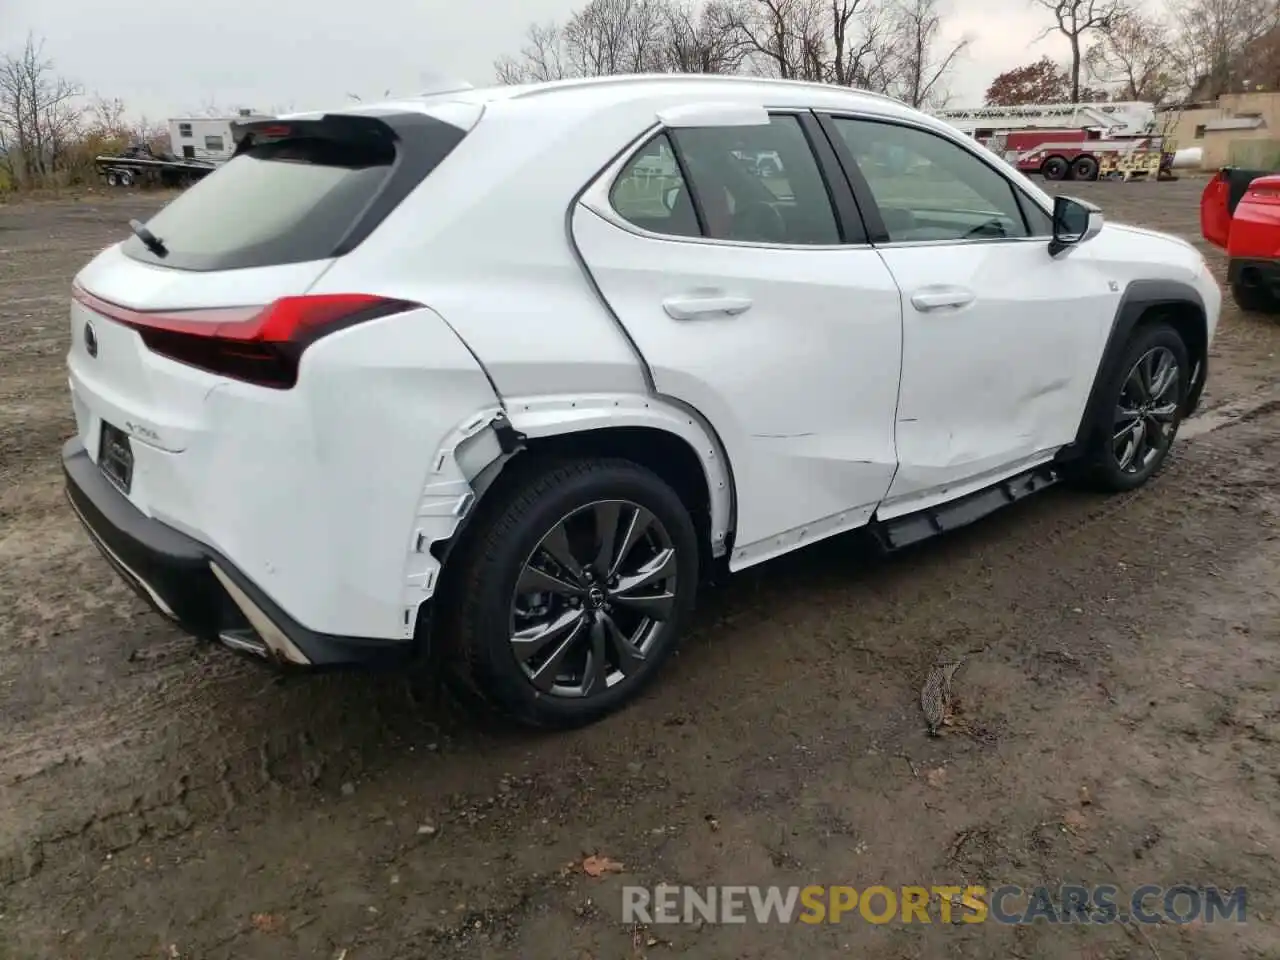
260,345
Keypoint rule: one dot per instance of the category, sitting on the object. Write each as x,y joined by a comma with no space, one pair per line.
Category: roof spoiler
339,127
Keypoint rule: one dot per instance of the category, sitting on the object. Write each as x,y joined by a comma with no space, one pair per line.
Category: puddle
1225,415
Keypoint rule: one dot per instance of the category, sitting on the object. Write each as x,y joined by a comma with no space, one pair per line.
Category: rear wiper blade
154,243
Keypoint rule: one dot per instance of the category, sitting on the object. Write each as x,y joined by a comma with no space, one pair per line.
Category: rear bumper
1255,273
199,589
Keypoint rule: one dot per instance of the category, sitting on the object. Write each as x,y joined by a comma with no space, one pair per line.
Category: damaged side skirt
912,528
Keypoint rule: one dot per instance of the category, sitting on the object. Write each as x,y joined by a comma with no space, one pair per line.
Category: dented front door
1000,346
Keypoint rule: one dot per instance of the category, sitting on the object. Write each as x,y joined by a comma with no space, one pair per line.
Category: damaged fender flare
525,421
1139,297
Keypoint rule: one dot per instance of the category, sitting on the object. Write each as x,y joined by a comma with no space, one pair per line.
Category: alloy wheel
593,599
1147,411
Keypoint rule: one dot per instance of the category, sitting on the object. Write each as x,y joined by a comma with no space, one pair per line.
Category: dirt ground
1119,722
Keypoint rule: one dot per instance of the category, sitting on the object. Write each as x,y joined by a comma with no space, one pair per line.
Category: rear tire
1145,400
1254,298
1055,168
1084,168
542,624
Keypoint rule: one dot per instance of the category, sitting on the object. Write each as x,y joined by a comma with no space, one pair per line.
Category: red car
1240,212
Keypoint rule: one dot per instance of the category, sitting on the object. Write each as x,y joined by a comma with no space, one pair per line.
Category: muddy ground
1119,722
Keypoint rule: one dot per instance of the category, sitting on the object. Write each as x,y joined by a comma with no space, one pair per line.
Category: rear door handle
941,298
689,307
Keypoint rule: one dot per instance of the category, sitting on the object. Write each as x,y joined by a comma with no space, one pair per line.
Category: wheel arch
662,434
1143,302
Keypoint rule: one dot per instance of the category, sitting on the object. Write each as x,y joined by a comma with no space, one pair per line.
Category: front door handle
941,298
701,305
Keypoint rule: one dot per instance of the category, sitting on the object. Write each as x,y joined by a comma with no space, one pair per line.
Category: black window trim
677,152
850,222
876,230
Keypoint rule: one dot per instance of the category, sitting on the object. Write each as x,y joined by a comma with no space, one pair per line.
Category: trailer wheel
1085,168
1055,168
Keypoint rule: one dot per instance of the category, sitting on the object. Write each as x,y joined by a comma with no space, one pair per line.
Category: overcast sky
165,59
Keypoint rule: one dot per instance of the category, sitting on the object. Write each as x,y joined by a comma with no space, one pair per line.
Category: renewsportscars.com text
1010,904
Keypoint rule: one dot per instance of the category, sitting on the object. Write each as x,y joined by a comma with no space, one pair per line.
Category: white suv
447,374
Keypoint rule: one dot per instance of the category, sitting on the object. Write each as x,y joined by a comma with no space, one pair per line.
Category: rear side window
758,184
651,192
293,200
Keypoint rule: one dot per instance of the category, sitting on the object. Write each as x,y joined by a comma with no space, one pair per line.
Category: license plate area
115,457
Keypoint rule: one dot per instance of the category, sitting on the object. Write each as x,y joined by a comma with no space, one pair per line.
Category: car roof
604,92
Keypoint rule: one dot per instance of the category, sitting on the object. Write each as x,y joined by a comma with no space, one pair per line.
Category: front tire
1145,401
571,592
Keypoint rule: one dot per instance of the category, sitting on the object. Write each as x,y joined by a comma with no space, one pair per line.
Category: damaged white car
503,374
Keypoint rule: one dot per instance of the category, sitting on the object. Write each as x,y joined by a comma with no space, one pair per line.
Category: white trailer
206,138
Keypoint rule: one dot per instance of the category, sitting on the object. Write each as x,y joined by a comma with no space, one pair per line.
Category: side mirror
1074,222
669,197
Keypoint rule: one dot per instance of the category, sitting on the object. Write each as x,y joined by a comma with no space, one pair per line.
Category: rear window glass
278,203
293,200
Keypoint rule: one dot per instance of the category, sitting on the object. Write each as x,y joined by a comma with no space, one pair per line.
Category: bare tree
882,45
1213,40
777,35
608,37
702,40
541,57
865,48
1135,58
924,65
1075,20
847,42
602,38
107,116
39,114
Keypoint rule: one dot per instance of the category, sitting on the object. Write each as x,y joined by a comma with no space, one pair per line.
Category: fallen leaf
936,777
712,822
598,866
1085,799
267,922
1073,819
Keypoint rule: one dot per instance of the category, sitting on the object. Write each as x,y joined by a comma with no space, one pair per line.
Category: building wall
1187,125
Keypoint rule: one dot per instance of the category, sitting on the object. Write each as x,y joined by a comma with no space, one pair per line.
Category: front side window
928,188
213,143
754,184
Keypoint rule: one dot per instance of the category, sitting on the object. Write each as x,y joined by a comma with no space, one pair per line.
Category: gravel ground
1118,721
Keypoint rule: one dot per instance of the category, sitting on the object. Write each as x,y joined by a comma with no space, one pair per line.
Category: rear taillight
259,345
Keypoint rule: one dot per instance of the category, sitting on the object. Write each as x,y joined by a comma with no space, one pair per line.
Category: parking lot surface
1117,721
